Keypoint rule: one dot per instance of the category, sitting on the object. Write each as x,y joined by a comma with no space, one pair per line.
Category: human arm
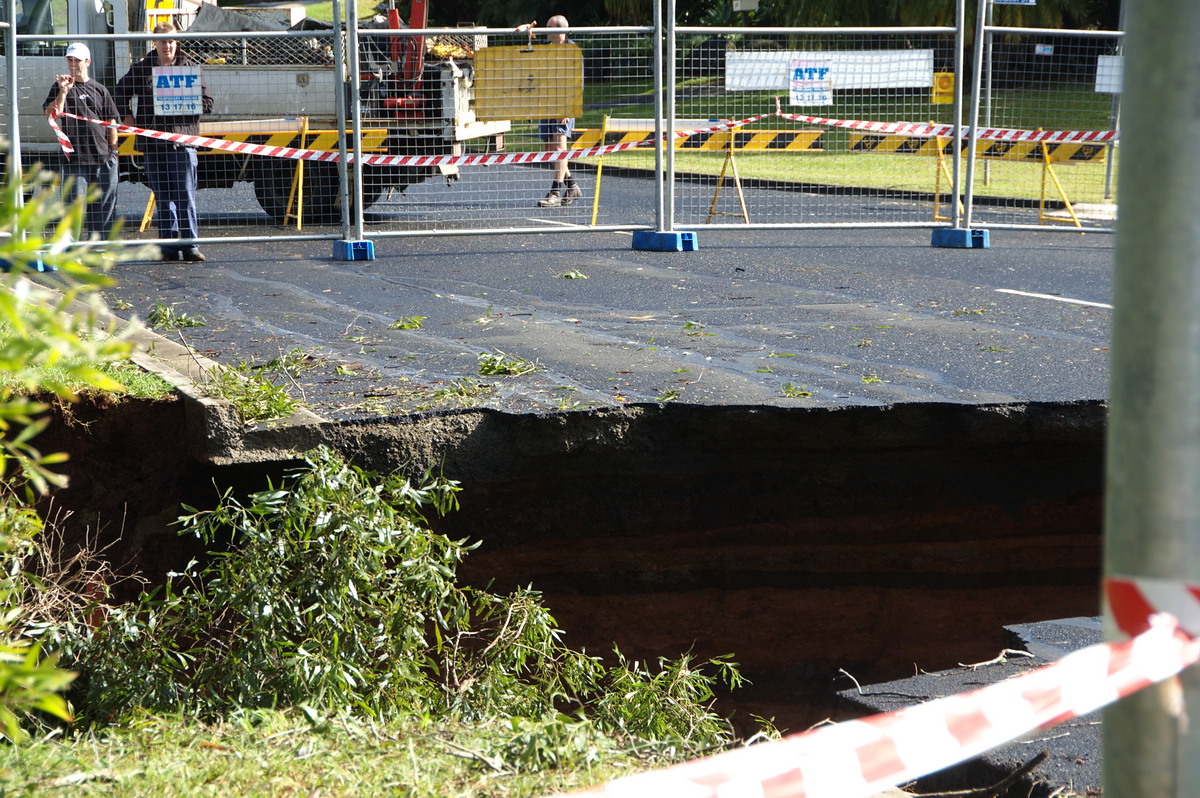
109,113
56,100
124,93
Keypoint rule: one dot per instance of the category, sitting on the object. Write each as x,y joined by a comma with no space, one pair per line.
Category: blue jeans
171,175
99,215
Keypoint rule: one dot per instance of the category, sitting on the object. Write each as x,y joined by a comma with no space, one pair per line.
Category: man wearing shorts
555,133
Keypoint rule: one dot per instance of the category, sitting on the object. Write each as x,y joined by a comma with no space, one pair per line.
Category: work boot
551,200
193,255
573,193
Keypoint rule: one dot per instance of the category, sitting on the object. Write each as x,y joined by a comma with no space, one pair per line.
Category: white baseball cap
79,50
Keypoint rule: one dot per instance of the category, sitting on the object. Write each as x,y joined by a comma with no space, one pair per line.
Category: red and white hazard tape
397,160
887,128
859,758
63,141
947,131
1133,600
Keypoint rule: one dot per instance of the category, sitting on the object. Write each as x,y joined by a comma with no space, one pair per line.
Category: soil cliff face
805,542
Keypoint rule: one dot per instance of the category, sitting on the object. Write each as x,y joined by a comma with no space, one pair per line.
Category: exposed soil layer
806,542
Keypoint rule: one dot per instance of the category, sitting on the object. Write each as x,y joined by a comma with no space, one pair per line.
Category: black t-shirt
92,100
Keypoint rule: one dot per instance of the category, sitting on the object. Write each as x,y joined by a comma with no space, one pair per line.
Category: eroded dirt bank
873,540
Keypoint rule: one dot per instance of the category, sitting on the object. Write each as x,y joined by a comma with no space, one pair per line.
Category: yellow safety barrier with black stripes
1045,154
806,140
1066,152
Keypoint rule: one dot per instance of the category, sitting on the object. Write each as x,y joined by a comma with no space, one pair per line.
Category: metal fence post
352,53
659,125
1114,118
340,109
976,91
668,221
1152,517
10,76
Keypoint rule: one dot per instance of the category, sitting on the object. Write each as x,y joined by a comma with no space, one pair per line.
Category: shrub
333,594
41,329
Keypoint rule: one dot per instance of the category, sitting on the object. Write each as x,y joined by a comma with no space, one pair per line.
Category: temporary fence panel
274,94
795,98
795,127
524,138
1048,118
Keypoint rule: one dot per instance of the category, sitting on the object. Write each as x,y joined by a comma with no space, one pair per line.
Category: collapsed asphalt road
814,318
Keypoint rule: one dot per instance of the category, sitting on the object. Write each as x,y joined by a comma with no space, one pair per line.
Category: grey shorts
548,128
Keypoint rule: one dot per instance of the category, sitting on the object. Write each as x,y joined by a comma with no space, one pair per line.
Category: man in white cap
94,162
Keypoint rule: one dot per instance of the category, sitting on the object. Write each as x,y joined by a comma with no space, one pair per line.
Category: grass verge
281,753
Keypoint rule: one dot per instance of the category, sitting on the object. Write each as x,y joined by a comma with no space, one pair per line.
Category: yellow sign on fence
542,81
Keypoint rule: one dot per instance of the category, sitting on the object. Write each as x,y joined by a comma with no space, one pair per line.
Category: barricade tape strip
63,141
947,131
1134,599
858,758
899,128
399,160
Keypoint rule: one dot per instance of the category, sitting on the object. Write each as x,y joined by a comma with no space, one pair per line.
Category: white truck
415,100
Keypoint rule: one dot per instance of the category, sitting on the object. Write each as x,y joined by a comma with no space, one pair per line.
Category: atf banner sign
177,91
811,83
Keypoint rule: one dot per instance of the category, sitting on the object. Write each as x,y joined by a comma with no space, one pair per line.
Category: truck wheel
273,185
322,197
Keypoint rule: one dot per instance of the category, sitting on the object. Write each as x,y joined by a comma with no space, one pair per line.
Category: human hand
65,82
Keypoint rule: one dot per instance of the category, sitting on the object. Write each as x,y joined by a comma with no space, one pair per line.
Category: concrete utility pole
1153,471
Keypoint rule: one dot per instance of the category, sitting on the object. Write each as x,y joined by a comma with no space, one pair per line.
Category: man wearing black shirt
94,162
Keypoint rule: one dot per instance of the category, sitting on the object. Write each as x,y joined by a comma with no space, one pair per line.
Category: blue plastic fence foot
665,242
354,250
33,266
960,239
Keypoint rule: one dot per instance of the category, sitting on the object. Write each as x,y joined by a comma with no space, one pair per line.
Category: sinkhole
819,546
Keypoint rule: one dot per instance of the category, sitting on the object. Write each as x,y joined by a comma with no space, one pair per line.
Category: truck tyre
322,197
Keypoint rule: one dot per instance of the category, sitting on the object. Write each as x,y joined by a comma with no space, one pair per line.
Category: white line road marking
555,222
1055,298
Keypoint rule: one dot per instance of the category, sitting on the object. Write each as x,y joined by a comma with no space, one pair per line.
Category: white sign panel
1108,73
811,83
177,91
770,70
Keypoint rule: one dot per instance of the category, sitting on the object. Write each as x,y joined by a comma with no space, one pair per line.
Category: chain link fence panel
475,130
1047,81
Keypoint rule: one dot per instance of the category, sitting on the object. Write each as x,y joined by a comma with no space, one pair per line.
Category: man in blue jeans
94,161
170,167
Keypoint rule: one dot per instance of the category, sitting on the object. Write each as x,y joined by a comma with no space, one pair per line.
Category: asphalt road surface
782,317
